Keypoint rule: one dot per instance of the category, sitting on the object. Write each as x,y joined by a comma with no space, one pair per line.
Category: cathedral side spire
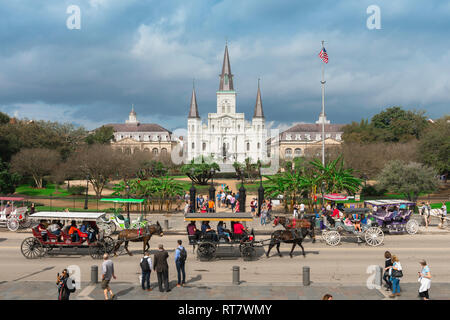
258,106
193,111
226,78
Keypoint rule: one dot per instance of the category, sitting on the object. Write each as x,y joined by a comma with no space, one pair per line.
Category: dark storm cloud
146,53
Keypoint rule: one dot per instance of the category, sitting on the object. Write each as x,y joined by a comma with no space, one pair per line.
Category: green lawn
49,190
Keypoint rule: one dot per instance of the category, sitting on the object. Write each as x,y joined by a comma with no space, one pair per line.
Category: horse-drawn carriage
335,229
110,224
44,243
394,216
208,243
12,215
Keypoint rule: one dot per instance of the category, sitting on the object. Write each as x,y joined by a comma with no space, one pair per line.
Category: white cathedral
227,137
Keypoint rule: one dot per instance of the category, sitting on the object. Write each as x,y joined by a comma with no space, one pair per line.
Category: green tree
102,135
8,181
434,147
4,118
200,173
410,179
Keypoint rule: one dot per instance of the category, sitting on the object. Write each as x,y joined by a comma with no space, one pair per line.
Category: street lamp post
322,189
87,189
127,188
260,192
192,192
212,190
242,195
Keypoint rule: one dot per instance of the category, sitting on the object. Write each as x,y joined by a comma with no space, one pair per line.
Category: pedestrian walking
162,268
387,270
180,260
263,214
107,275
233,202
424,280
396,274
295,213
65,288
443,214
302,210
146,268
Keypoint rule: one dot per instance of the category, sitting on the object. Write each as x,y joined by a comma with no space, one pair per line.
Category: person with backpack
146,267
180,260
64,288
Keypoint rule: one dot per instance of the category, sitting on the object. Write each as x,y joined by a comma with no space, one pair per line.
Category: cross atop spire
259,113
193,111
226,78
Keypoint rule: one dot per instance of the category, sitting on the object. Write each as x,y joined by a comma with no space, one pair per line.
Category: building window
163,151
298,152
146,150
212,128
288,153
128,151
248,146
193,145
259,145
239,127
155,151
204,146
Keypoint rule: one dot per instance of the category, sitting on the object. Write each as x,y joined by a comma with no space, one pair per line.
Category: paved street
342,267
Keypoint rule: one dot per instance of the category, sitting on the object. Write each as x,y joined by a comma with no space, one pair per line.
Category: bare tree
100,163
36,162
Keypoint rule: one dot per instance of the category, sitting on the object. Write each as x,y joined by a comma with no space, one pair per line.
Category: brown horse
138,235
294,236
289,224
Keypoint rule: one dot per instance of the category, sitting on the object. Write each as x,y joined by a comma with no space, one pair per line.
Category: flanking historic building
227,137
306,138
133,136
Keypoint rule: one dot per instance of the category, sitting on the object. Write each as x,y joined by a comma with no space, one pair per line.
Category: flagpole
323,109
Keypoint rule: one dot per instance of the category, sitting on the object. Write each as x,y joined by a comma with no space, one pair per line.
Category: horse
294,236
137,235
288,224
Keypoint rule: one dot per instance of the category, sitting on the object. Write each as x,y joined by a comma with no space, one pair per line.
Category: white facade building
227,137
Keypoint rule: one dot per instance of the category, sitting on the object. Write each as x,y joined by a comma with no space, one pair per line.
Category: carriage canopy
380,203
120,200
85,216
11,199
218,216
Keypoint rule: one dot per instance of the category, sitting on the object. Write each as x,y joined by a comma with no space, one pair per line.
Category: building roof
137,127
315,127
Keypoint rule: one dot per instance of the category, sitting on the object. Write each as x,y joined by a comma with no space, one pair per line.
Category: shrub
77,190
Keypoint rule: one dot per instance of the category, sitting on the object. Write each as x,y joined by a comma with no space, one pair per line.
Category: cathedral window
193,145
239,127
259,145
298,152
248,146
288,153
204,146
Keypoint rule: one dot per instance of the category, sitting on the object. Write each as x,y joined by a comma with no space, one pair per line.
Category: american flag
323,55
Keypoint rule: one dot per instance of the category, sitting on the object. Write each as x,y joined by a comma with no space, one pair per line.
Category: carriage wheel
374,236
332,238
206,251
109,244
13,224
97,250
248,253
25,223
106,228
412,226
32,248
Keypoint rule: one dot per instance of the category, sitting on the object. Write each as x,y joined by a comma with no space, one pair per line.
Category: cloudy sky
146,53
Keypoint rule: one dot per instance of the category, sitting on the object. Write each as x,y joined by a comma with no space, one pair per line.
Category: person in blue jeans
394,279
146,267
180,263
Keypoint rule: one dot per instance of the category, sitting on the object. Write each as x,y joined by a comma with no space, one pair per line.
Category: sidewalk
245,291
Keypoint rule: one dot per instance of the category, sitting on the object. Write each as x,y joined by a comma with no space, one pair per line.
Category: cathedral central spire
226,78
258,106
